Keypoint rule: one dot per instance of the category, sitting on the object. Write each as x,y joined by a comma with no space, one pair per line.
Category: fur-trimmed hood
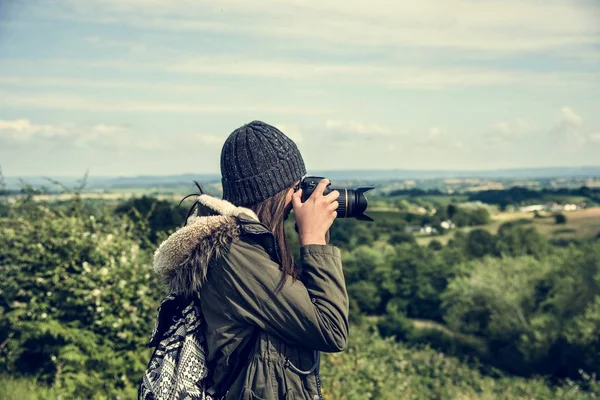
181,261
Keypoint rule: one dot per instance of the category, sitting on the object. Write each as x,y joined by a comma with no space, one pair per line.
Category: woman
265,319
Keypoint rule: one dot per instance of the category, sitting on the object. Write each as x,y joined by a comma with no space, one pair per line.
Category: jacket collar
224,207
181,261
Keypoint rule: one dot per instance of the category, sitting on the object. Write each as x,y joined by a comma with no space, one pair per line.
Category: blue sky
155,87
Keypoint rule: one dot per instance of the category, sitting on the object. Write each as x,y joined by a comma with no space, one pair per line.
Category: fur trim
181,261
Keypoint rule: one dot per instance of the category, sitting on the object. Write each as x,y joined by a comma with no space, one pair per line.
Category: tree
361,264
435,245
451,210
2,183
560,218
363,235
480,243
479,216
366,294
497,300
401,237
160,214
515,240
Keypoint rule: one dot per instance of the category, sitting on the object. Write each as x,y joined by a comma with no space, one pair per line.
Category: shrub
373,367
435,245
401,237
560,218
366,294
77,300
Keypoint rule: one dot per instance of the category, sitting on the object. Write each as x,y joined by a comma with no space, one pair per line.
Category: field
580,224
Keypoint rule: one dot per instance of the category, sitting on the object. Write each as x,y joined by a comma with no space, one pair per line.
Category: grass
25,389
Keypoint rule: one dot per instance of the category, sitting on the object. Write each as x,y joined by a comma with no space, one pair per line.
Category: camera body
352,201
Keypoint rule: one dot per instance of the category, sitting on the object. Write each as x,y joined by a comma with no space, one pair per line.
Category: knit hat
257,162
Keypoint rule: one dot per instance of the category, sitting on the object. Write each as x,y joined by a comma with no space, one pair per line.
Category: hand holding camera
316,214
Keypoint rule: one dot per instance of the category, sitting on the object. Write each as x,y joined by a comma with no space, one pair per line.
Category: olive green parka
231,261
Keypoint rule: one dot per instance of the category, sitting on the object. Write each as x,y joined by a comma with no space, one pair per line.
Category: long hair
271,212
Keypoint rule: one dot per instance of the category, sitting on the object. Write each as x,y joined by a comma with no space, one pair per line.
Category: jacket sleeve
311,312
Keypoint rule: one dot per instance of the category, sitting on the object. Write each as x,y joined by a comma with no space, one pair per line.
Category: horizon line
318,170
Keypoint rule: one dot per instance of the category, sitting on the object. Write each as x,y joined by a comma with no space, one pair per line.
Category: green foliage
77,299
537,314
395,323
160,215
463,217
560,218
480,243
380,368
366,295
401,237
435,245
515,240
29,389
416,276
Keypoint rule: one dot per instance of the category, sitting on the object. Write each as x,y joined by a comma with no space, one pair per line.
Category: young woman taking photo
265,319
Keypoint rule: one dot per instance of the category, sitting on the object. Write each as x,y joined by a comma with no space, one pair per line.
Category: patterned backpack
177,369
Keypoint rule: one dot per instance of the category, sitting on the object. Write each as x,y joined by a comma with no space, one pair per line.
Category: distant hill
339,175
518,173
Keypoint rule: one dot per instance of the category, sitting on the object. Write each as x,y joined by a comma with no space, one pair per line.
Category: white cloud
24,131
501,129
51,101
382,73
130,46
209,140
567,130
508,132
485,26
353,129
569,119
436,132
61,82
291,131
594,138
514,129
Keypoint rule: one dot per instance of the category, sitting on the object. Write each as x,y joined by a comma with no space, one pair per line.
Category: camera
352,201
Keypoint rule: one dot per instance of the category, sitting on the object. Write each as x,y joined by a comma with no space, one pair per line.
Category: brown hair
271,212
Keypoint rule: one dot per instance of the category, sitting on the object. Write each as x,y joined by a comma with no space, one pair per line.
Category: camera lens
352,202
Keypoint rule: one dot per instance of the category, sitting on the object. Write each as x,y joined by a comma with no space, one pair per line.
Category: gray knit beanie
257,162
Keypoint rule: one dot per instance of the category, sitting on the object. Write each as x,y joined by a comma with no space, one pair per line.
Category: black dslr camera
352,202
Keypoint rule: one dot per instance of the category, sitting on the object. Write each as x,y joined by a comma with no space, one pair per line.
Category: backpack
177,368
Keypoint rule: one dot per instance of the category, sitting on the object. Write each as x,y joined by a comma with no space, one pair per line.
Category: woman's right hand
316,214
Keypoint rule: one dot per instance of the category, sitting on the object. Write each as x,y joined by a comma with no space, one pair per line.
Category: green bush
77,300
537,315
401,237
366,294
373,367
560,218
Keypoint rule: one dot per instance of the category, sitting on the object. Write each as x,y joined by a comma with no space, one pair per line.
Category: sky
153,87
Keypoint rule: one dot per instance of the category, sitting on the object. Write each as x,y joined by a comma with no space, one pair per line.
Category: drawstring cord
288,363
